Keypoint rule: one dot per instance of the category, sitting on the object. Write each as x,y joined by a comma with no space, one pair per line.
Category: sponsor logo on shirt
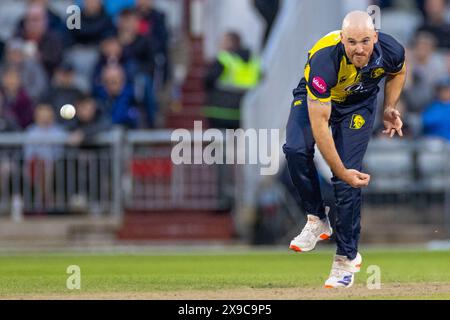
376,73
319,84
342,79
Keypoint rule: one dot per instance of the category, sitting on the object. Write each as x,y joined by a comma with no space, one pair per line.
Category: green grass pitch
32,275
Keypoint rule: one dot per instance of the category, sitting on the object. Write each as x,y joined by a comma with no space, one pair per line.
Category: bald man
339,90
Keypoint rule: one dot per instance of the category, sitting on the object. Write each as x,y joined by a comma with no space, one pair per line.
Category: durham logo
357,122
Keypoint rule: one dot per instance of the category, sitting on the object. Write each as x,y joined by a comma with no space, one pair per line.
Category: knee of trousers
344,193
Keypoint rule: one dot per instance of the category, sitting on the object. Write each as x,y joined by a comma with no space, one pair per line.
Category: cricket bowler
339,90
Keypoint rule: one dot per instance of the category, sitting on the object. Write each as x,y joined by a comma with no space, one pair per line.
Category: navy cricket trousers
351,134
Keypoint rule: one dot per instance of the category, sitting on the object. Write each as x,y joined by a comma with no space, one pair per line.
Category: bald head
357,20
358,37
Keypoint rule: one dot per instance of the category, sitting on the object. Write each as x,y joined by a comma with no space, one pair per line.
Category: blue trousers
351,134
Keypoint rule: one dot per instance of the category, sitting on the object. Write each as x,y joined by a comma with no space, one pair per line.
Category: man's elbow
400,74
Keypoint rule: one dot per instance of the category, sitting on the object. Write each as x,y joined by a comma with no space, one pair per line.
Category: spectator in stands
63,89
39,157
268,9
34,77
111,52
424,69
96,24
7,118
43,129
89,121
17,101
41,43
447,61
55,23
436,118
117,97
435,22
140,49
152,23
136,46
233,73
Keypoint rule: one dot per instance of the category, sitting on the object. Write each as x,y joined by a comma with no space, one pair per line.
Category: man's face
129,24
11,80
435,9
113,80
358,44
424,48
36,21
92,7
111,48
39,2
64,78
228,43
447,59
44,116
86,110
444,94
144,4
14,56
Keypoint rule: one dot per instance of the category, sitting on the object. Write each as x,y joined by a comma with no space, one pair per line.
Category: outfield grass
46,274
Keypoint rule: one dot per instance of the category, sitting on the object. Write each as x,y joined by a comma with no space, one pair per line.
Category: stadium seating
390,164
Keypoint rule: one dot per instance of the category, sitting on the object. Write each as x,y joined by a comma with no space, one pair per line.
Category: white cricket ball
67,111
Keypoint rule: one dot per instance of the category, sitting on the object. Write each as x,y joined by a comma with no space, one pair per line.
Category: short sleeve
393,54
321,75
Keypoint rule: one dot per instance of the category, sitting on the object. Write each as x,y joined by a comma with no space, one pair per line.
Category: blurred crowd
110,69
423,26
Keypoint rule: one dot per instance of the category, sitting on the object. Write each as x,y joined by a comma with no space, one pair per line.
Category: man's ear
375,40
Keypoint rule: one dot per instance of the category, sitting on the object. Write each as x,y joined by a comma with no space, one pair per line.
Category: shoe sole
331,287
295,248
327,286
322,237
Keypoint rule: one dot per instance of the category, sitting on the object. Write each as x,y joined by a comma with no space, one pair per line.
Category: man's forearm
393,88
324,140
325,143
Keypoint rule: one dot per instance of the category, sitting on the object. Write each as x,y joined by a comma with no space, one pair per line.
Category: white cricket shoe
343,271
315,230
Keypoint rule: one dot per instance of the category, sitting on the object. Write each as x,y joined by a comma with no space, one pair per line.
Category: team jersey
330,76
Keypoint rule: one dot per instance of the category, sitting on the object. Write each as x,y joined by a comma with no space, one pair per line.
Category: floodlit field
221,275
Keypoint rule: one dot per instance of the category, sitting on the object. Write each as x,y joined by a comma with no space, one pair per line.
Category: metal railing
117,171
53,177
153,182
134,171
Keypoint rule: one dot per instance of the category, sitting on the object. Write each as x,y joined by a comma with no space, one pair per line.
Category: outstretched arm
319,115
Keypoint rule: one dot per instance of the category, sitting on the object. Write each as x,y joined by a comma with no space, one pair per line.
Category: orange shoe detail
295,248
324,236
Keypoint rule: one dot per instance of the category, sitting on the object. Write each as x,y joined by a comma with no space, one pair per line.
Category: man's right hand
355,178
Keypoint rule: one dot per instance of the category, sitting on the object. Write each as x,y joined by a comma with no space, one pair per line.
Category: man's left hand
392,122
